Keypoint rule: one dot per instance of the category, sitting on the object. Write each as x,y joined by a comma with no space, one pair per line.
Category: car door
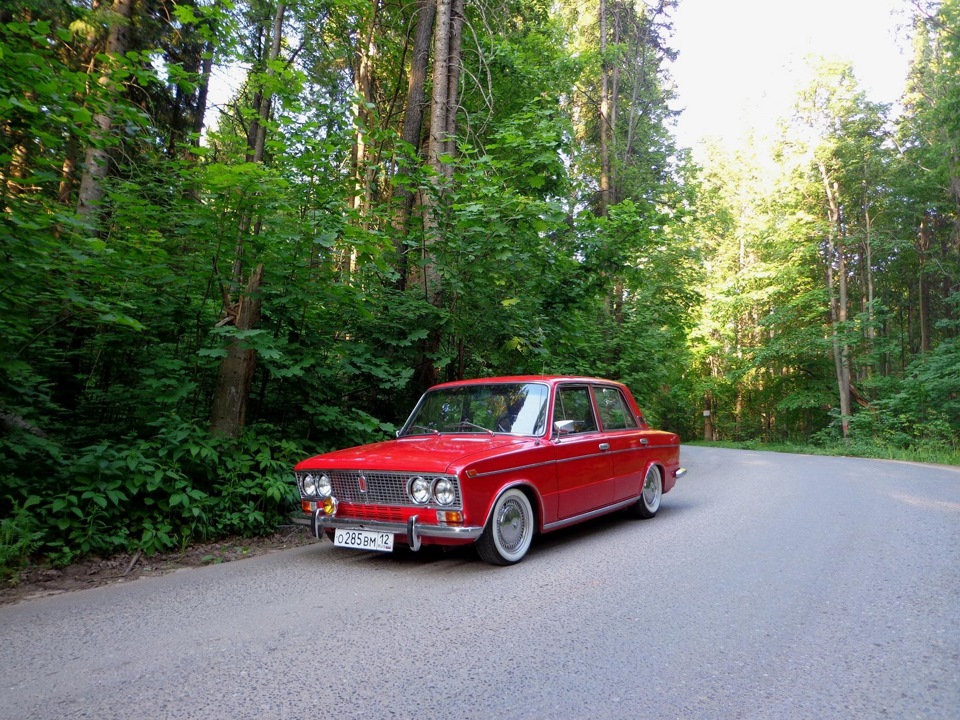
629,446
584,462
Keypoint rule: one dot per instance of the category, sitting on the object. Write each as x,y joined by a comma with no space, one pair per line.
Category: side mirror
563,427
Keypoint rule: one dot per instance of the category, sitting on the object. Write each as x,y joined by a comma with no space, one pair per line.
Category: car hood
420,453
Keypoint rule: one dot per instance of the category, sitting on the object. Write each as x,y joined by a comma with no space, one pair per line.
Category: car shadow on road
604,525
446,558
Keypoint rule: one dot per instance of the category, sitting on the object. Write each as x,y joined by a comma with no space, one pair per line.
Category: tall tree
412,127
849,130
930,142
441,145
96,164
242,302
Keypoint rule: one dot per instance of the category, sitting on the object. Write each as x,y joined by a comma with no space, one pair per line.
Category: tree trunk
266,98
417,82
203,92
96,164
443,129
423,276
453,82
838,298
413,123
708,432
441,86
362,120
229,405
955,192
923,286
229,409
874,365
68,171
16,170
604,119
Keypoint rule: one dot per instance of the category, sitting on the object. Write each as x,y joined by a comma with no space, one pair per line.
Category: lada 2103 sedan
493,462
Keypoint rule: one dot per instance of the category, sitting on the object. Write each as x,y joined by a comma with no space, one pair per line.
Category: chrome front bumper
413,529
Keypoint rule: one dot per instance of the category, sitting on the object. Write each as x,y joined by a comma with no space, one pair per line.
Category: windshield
515,408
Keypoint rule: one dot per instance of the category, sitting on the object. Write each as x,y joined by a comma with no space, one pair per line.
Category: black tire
652,492
509,532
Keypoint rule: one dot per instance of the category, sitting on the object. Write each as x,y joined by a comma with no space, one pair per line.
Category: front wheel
507,536
649,501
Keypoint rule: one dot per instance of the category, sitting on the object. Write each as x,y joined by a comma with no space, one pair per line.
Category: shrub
151,494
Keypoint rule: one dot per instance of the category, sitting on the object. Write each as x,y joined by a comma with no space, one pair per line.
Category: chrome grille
382,488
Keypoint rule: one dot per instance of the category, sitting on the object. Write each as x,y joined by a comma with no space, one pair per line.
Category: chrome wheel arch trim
533,495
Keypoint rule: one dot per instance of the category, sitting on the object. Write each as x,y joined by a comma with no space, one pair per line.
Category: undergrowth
162,492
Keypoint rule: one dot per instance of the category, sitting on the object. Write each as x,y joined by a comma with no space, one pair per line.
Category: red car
493,462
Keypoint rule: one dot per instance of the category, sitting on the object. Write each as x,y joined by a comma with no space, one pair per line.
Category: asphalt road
769,586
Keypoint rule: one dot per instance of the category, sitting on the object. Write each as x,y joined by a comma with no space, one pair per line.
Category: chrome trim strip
639,449
592,514
566,460
584,457
511,469
417,529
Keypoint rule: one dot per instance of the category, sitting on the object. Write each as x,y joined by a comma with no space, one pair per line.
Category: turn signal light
307,506
451,517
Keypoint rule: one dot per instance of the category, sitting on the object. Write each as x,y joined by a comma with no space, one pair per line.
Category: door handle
604,446
644,441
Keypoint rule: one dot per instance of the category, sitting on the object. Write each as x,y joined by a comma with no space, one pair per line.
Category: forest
198,291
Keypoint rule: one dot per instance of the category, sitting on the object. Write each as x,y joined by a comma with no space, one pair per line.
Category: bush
158,493
19,538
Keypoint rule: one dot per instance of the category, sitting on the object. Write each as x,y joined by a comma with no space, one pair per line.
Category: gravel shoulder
37,581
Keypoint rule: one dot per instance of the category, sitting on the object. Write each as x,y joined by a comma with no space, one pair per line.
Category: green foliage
686,286
158,493
921,411
19,538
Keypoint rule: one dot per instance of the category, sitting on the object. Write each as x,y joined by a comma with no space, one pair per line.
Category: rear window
614,412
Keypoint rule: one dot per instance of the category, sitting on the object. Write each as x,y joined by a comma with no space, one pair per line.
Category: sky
741,61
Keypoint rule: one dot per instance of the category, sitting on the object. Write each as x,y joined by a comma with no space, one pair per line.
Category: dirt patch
38,581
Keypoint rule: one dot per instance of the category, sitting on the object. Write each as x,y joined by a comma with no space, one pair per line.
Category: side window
614,412
573,405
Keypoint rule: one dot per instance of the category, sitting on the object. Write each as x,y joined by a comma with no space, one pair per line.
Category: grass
936,455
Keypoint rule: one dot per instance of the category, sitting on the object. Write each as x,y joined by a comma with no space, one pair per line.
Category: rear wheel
507,536
649,500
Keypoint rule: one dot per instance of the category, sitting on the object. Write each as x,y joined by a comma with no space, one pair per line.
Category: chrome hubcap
510,524
651,489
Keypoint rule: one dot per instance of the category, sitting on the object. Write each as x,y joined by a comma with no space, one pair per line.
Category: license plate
363,540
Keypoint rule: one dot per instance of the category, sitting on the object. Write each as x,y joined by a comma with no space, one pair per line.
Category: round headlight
420,490
324,488
443,491
309,485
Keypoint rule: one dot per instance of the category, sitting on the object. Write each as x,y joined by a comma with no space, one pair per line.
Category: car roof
548,379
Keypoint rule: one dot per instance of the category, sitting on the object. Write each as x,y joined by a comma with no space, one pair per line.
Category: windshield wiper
467,423
427,430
